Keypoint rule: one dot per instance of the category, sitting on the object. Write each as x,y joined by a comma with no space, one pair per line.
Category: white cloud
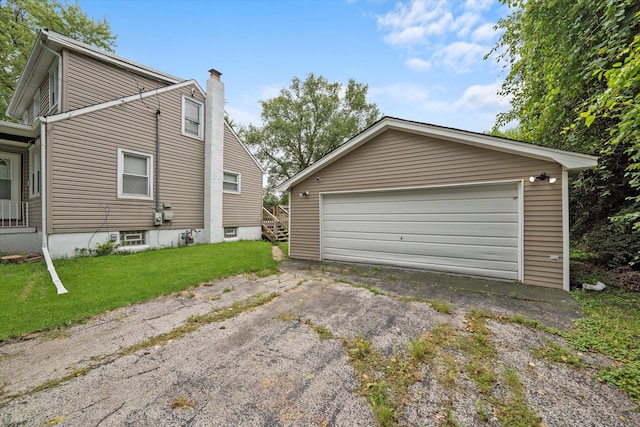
484,32
478,4
483,97
410,25
418,64
460,56
463,24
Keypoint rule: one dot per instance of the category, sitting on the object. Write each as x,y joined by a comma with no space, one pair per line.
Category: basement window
133,238
230,232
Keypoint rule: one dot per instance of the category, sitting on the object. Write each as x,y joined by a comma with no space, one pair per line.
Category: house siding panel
95,82
84,201
244,209
397,159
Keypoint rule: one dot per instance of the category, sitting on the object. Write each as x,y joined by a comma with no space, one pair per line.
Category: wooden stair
275,224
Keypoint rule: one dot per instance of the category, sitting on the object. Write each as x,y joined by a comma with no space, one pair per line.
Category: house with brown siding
111,150
415,195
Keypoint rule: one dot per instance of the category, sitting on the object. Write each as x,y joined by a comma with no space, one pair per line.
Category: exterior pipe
157,161
43,197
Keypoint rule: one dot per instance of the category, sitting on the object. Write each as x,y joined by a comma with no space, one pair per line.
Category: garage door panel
359,207
426,228
468,230
425,217
447,193
441,250
503,270
428,238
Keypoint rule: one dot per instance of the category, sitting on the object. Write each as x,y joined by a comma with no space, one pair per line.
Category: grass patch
370,288
613,329
556,353
441,307
323,332
28,300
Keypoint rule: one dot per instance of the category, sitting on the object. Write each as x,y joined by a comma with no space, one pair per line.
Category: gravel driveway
268,364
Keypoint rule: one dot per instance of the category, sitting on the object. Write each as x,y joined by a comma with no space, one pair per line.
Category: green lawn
29,303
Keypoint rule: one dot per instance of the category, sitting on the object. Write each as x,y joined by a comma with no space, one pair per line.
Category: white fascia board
347,147
120,101
95,52
34,71
27,75
569,160
244,146
20,129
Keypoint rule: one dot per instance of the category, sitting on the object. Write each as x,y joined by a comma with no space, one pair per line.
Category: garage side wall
396,160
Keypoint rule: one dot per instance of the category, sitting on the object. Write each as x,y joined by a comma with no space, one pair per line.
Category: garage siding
396,159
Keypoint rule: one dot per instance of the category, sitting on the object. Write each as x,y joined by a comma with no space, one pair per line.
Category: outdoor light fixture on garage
542,177
304,193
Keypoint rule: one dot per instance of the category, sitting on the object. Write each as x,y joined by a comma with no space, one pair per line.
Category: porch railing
14,214
275,224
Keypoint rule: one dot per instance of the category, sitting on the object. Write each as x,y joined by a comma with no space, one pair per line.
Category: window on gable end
54,88
36,105
231,182
192,117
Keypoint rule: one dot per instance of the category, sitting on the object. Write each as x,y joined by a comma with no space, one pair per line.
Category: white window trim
231,238
200,135
121,153
34,151
55,79
239,182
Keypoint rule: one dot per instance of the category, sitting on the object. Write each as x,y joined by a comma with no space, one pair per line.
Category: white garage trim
440,230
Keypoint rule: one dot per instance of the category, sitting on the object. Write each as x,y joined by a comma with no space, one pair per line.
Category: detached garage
421,196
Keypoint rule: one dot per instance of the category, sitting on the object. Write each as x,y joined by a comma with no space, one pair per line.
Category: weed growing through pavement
441,307
555,353
227,289
182,402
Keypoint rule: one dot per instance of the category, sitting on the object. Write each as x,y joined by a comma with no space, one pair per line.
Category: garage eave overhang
569,160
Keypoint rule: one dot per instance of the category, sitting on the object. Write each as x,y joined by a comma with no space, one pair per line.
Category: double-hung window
54,88
135,175
36,105
192,117
34,170
231,182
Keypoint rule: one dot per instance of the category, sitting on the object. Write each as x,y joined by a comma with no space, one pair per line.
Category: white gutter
43,198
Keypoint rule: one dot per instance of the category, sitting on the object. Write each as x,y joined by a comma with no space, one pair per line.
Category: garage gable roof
568,159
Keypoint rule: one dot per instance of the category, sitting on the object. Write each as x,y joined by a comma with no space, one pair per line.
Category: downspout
43,199
158,160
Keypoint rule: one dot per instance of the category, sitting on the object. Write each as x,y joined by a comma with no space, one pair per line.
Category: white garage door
468,230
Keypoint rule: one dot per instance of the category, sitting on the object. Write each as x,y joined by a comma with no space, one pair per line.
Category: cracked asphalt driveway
214,356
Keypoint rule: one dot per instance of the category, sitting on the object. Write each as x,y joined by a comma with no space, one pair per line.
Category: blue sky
421,59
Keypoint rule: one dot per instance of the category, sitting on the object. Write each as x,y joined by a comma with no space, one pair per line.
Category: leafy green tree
565,59
21,19
305,122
